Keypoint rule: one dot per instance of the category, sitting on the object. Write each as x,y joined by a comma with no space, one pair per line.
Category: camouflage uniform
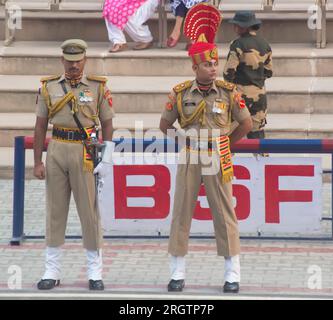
249,64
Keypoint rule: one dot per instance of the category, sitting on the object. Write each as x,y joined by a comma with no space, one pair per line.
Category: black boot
47,284
176,285
96,285
231,287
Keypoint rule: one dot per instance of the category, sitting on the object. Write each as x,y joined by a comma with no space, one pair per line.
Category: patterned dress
119,11
188,4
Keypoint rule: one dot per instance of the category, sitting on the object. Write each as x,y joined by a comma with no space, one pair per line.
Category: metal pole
18,199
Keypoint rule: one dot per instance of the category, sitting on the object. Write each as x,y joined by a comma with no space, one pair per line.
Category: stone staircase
299,95
278,26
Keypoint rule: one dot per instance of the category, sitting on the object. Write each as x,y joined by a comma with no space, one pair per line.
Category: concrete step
288,126
30,58
45,26
149,94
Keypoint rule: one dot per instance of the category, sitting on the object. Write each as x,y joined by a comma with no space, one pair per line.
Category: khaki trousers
64,175
188,182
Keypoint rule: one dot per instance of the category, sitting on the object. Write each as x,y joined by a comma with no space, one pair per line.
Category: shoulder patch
225,85
182,86
97,78
50,78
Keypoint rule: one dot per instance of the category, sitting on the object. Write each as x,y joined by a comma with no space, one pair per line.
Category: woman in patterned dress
180,9
129,16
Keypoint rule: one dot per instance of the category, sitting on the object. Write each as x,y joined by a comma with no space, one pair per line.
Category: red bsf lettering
159,192
240,192
273,195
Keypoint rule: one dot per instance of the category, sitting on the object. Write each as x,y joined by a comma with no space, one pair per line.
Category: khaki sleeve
239,109
170,112
106,110
41,107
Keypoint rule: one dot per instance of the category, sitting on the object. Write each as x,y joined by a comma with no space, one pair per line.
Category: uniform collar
195,87
84,79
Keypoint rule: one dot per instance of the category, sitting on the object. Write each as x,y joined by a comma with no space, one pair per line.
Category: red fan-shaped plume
202,18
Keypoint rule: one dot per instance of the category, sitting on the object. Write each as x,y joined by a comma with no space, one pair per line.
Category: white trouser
232,269
134,26
177,268
53,264
94,265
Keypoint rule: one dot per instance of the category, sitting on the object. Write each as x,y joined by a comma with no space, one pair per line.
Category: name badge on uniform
86,96
57,95
190,104
219,106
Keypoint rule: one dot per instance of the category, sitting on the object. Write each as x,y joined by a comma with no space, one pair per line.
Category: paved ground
139,268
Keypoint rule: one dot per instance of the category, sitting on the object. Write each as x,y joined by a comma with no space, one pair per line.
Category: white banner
272,195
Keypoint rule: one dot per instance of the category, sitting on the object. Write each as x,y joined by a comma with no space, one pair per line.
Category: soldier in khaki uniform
69,164
248,65
204,108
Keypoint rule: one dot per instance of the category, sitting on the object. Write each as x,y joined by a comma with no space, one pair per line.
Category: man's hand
39,171
242,130
103,169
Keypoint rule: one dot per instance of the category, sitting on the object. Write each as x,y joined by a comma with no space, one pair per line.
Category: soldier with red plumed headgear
204,108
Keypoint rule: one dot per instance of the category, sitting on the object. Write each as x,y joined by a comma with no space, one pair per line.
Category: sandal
118,47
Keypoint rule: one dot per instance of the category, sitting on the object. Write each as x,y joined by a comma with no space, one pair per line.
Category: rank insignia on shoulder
97,78
225,84
183,86
50,78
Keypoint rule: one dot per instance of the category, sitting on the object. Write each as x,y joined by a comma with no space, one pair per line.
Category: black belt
68,135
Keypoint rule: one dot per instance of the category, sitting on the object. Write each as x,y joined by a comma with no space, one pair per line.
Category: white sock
177,268
94,265
232,269
52,263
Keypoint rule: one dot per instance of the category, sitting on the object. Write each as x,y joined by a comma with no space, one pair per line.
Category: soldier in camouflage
248,65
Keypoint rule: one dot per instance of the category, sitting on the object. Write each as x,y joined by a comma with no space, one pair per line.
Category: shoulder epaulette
182,86
225,85
50,78
97,78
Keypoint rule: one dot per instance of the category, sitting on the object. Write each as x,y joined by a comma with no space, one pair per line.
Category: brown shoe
143,45
118,47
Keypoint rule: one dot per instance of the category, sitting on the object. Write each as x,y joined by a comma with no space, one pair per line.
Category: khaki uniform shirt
220,108
90,102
